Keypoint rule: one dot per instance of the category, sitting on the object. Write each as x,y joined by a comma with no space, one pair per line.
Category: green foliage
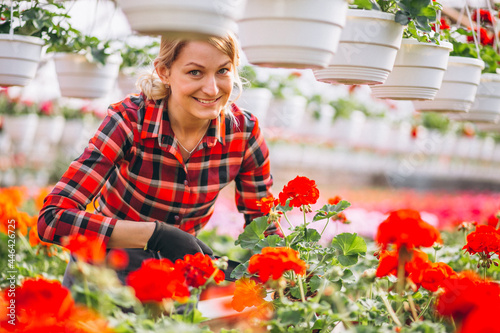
435,120
138,56
350,247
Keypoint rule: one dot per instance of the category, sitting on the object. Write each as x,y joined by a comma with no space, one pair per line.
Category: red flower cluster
419,270
86,248
335,200
301,190
46,306
117,259
484,15
197,269
274,261
405,227
485,37
485,239
267,204
474,301
443,25
248,293
157,279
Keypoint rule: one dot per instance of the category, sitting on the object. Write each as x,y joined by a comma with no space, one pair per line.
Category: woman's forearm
131,234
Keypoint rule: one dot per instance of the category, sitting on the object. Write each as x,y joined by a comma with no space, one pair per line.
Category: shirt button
186,182
176,217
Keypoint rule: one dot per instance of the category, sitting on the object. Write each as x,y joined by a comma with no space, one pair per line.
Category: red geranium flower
485,37
335,200
157,279
485,239
434,275
274,261
266,204
248,293
117,259
443,25
301,190
198,268
405,227
86,248
388,265
485,16
467,292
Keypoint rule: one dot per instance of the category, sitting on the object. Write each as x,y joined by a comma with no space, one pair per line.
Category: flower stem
425,307
412,307
324,228
301,287
389,308
286,218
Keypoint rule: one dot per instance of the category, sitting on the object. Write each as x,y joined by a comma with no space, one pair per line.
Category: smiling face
201,81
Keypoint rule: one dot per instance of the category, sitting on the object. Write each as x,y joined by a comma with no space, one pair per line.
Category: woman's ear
162,72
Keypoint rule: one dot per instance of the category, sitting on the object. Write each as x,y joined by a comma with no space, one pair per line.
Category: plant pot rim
370,14
22,38
466,60
113,59
442,44
490,77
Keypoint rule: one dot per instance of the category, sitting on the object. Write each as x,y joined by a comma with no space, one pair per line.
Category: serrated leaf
348,260
348,276
401,18
319,324
311,235
285,208
253,233
271,241
328,211
240,270
315,282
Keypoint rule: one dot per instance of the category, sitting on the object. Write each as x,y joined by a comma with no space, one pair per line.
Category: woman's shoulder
131,107
243,119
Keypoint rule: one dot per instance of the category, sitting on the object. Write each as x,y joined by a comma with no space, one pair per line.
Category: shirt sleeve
63,212
254,180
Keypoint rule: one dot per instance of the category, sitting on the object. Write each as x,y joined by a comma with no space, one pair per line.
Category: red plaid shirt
134,166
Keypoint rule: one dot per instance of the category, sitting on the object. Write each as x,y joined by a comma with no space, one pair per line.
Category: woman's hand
173,243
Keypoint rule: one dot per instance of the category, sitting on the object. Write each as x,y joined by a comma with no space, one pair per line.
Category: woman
160,158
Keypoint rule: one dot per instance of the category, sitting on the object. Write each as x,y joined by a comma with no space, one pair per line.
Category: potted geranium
24,26
86,67
462,76
422,59
134,59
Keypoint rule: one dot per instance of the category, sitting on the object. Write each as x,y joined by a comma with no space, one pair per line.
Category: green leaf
402,18
348,260
348,276
271,241
315,282
311,235
286,208
349,244
240,270
328,211
253,233
363,4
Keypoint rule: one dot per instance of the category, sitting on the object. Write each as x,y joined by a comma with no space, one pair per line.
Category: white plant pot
486,106
126,83
80,78
286,113
256,101
292,33
458,89
180,18
19,58
418,71
72,132
367,50
49,129
20,130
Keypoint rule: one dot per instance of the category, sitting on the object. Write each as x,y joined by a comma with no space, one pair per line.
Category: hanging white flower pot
80,78
292,33
367,50
19,58
49,129
21,130
486,106
458,89
418,71
256,101
181,18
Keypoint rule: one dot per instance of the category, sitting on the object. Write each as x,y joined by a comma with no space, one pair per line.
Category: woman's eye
195,72
224,71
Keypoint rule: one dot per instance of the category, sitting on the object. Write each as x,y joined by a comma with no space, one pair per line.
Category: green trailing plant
134,57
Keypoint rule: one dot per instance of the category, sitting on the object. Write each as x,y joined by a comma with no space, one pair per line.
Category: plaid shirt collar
157,125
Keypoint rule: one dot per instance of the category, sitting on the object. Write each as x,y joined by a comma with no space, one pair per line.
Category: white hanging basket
292,33
458,89
21,130
367,50
286,113
80,78
181,18
418,71
486,106
19,58
256,101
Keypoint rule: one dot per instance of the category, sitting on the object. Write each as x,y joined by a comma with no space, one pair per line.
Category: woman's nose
210,86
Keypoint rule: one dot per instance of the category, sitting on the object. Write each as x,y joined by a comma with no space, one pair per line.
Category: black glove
173,243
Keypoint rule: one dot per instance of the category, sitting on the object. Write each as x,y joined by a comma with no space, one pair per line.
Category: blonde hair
153,88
